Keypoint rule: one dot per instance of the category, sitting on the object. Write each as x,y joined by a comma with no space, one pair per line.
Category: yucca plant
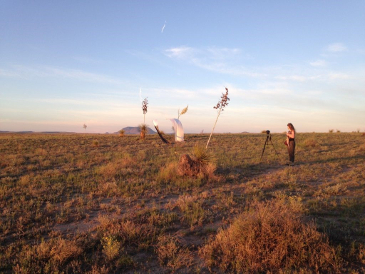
143,131
121,133
199,163
144,109
143,127
220,107
201,155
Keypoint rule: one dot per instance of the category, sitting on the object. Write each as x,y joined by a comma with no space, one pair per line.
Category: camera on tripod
268,139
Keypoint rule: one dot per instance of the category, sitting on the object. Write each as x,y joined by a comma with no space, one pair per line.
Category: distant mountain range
135,130
127,130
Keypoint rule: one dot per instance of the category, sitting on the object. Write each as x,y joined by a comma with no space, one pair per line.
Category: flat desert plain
104,203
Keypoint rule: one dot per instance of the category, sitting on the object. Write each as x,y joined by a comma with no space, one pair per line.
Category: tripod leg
274,147
263,150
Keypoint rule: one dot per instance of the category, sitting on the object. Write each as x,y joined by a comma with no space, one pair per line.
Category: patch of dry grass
172,254
310,142
268,238
122,206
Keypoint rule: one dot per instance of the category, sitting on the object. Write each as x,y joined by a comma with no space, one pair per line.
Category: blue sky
68,63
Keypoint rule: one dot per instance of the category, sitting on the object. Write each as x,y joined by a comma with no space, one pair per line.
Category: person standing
291,142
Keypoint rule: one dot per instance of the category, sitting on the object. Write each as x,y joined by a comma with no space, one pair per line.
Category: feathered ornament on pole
220,107
182,112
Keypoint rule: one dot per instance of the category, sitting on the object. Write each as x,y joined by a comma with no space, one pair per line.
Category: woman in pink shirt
291,142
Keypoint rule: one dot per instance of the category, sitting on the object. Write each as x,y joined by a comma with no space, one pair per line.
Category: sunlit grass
68,199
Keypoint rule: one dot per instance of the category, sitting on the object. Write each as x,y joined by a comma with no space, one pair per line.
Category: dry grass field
72,203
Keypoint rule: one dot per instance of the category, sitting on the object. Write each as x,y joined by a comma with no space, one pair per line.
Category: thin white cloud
225,68
336,47
297,78
179,52
339,76
175,93
8,73
88,60
26,72
223,53
318,63
163,27
220,60
209,54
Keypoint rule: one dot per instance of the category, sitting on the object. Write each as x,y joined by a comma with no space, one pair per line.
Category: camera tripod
268,138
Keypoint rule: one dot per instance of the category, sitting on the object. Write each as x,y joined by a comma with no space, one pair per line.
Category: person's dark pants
291,150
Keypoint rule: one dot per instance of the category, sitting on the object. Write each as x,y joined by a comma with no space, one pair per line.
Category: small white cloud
296,78
179,52
318,63
338,76
336,47
222,53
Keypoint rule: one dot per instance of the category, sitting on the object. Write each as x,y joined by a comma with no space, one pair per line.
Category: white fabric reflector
179,131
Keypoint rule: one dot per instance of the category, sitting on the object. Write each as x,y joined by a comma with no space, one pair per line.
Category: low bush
200,164
171,253
310,142
268,238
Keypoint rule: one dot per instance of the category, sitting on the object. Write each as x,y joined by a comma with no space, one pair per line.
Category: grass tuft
268,238
171,253
310,142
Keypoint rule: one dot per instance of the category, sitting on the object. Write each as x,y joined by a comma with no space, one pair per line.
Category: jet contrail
163,27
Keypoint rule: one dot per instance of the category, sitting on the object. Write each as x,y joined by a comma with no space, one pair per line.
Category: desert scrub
168,173
95,143
268,238
310,142
200,164
132,235
200,167
172,254
58,184
143,131
111,247
48,256
162,220
192,209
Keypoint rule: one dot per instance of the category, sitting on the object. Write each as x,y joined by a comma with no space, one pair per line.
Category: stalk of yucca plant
182,112
220,107
144,109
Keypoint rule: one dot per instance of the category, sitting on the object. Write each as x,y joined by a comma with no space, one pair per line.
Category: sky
64,64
